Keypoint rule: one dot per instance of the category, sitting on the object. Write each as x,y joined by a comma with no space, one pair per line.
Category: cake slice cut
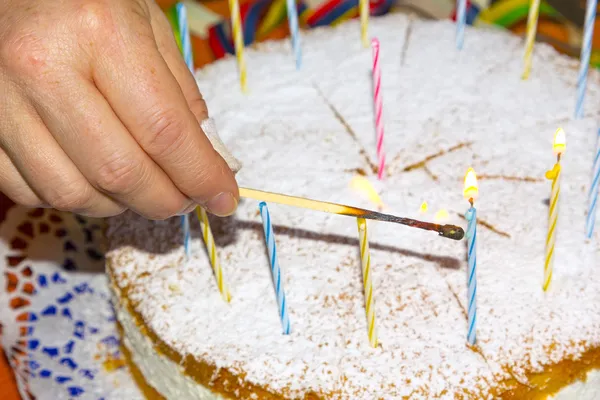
309,133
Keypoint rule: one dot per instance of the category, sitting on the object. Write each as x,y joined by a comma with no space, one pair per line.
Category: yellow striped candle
211,248
558,147
364,22
532,20
365,257
238,40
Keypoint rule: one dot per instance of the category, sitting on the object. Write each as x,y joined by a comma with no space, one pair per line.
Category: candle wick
471,202
558,157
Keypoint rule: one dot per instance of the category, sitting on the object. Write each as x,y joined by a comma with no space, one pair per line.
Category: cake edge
222,383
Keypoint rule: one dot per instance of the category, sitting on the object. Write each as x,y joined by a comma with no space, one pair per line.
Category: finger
148,100
87,129
14,186
165,42
48,170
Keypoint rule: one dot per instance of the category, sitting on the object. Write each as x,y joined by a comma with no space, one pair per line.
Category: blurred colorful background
560,24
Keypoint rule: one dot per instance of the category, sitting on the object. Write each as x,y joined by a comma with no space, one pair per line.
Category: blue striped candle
292,12
461,20
186,50
185,227
586,50
184,35
593,194
471,234
275,268
471,191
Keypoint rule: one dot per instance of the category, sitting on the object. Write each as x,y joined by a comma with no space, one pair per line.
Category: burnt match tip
452,232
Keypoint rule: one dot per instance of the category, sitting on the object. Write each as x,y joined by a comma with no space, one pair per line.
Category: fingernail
222,205
188,209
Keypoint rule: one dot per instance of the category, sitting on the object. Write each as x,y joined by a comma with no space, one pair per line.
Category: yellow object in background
532,22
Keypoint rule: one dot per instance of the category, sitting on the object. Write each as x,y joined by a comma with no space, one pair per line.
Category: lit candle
365,188
378,101
532,20
461,20
593,194
471,191
275,268
586,50
558,148
365,257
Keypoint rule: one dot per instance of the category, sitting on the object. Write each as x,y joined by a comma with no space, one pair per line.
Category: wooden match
448,231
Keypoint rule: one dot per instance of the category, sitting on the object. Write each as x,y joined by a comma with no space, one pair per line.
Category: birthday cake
310,133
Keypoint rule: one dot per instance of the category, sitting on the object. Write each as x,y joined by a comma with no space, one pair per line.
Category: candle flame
423,208
441,216
560,141
362,185
471,190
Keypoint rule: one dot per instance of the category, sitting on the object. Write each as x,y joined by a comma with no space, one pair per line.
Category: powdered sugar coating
289,139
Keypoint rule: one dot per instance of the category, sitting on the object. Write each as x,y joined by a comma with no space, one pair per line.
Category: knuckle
26,199
159,215
166,132
168,207
69,195
120,175
105,212
95,18
198,107
210,171
165,211
24,53
205,174
18,190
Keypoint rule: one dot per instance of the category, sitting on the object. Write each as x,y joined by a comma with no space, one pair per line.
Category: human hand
99,113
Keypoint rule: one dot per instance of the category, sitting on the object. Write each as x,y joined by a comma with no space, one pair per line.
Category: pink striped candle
377,100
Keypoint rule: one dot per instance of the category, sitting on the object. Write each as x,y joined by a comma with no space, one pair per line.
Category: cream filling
579,390
170,380
160,372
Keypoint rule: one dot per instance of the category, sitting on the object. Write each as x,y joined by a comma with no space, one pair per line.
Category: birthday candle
471,191
593,194
365,257
275,268
532,20
186,50
461,20
364,22
184,35
295,35
558,147
238,40
211,248
185,227
586,50
377,99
